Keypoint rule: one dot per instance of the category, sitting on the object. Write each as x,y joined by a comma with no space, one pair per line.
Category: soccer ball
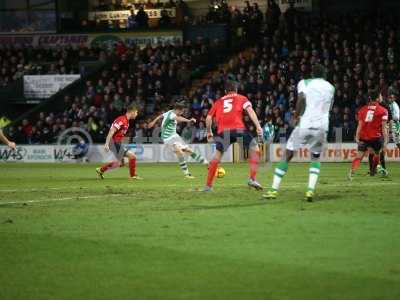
220,173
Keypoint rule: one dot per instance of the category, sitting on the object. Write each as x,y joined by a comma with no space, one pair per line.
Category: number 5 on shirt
228,105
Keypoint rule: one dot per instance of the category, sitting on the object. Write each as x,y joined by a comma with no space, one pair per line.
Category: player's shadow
328,197
222,206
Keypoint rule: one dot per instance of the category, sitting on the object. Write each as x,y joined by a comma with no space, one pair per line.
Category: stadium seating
153,78
359,52
18,61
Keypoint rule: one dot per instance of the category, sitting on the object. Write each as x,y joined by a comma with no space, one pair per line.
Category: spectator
165,20
149,4
201,133
131,23
142,18
272,16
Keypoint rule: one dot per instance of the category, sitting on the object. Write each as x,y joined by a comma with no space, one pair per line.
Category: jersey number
228,105
370,116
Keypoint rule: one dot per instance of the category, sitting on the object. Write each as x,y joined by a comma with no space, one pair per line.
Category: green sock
183,165
280,171
197,157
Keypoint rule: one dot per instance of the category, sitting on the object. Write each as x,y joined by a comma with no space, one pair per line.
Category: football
220,173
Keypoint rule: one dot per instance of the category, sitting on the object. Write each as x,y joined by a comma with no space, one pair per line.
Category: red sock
375,161
110,166
212,168
355,164
132,167
253,164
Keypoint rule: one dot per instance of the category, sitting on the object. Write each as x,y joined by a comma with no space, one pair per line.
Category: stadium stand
358,51
15,62
151,77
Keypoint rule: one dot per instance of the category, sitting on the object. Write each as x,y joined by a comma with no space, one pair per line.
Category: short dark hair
132,107
318,71
373,94
179,105
231,85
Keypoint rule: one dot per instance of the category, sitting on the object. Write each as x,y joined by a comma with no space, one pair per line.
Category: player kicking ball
315,98
372,132
172,139
114,139
228,114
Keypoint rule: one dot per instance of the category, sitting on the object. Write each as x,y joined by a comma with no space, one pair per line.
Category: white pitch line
62,199
41,189
292,184
125,195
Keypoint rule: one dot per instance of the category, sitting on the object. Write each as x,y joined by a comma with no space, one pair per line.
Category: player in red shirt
228,115
114,139
372,133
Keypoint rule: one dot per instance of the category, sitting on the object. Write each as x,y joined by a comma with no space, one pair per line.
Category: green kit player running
315,98
173,141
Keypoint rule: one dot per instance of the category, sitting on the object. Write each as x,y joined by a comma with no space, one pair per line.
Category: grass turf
66,235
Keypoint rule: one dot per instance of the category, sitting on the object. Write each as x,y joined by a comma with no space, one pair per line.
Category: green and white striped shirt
168,126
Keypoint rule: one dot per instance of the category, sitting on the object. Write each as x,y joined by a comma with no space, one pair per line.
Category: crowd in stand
150,77
358,52
15,62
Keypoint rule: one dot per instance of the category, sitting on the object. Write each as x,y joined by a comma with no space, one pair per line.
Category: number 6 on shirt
370,116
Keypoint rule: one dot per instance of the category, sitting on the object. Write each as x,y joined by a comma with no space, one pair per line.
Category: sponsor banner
44,86
304,5
345,152
140,39
152,153
37,153
124,14
90,40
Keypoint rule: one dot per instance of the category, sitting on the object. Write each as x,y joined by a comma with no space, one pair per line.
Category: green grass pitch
66,235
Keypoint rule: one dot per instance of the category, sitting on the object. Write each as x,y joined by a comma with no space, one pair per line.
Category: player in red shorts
114,139
372,133
228,114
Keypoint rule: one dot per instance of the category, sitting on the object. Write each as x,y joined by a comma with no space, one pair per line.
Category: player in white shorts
315,98
395,121
172,139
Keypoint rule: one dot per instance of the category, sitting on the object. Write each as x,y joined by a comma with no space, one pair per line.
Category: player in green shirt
172,139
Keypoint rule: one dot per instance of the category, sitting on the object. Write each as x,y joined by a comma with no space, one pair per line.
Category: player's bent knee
130,155
178,151
187,150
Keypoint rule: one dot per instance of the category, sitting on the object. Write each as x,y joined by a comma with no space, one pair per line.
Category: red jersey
122,125
370,118
228,112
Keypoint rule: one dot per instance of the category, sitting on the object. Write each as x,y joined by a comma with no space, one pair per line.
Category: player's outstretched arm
6,141
110,134
358,132
209,128
254,119
180,119
385,129
152,123
300,105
